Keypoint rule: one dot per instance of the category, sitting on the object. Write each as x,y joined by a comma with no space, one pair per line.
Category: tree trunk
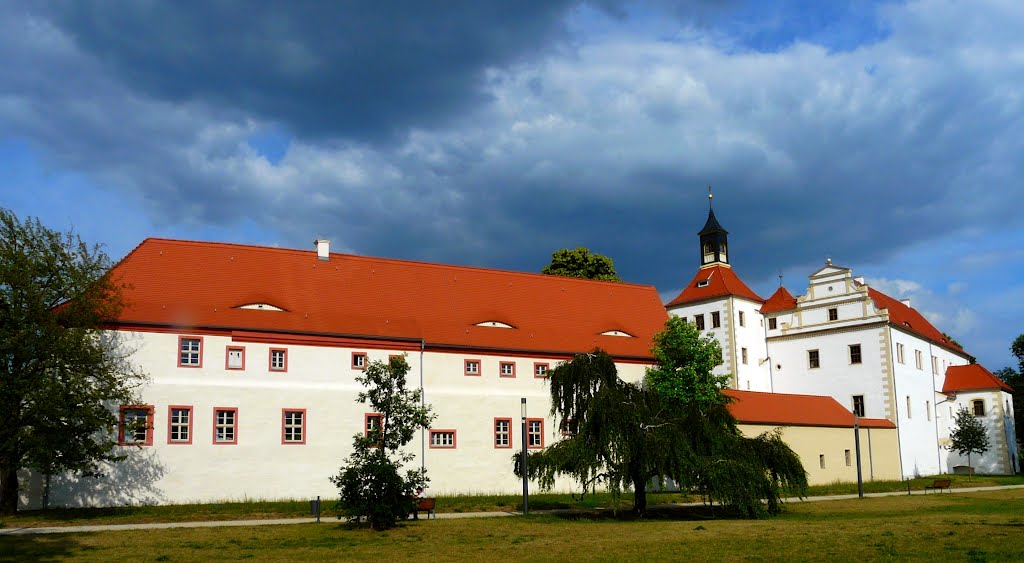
8,487
969,468
639,495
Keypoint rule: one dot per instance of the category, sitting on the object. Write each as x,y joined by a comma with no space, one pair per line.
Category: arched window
709,252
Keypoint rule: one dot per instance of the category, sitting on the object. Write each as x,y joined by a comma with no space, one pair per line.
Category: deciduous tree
370,482
968,436
581,263
61,372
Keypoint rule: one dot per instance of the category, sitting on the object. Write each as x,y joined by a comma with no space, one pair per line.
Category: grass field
258,510
958,527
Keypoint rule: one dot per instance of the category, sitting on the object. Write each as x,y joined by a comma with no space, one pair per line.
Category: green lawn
462,503
959,527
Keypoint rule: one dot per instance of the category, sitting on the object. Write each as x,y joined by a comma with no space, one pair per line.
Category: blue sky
884,135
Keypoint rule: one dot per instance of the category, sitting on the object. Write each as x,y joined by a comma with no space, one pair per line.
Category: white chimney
859,280
323,249
905,302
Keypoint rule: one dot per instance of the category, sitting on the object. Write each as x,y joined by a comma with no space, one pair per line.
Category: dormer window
494,324
260,307
616,333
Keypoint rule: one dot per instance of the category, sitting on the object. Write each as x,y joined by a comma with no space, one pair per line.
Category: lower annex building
252,354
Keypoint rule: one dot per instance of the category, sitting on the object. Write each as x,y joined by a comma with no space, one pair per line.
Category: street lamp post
856,444
526,479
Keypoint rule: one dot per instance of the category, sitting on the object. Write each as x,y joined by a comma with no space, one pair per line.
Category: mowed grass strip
261,510
975,526
265,510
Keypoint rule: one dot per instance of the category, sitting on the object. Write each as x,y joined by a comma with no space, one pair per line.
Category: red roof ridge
972,377
903,315
726,283
363,258
781,300
381,298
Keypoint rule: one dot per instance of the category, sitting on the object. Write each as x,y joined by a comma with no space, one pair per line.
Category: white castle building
876,355
252,354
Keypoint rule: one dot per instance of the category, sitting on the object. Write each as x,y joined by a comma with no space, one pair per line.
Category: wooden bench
425,505
938,485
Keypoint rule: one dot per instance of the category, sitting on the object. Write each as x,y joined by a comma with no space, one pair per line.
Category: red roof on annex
194,285
972,377
716,281
752,407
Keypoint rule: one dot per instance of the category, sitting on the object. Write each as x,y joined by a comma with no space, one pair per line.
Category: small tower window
722,252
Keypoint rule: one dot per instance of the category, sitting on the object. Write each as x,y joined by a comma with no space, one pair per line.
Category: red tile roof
909,319
721,282
196,285
972,377
781,300
752,407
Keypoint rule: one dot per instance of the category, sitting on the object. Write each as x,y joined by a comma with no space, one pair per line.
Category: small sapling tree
371,484
968,437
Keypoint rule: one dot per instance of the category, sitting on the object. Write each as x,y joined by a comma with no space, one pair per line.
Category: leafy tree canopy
968,435
624,435
60,369
1017,349
370,482
952,340
581,263
685,364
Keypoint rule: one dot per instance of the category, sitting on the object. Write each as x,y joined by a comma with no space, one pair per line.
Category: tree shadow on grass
39,547
658,512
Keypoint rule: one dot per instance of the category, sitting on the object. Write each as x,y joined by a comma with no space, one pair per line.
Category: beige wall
879,451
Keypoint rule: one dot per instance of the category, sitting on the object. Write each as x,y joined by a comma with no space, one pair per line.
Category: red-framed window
135,425
372,422
293,426
442,439
359,360
540,369
225,425
472,367
507,369
190,351
502,432
234,358
278,359
534,433
179,424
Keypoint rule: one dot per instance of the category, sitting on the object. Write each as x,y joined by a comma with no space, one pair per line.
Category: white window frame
442,439
502,433
180,425
293,426
225,425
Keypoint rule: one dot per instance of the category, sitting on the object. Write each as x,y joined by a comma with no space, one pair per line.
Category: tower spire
713,239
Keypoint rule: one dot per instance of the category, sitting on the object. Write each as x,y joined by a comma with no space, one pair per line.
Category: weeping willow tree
622,435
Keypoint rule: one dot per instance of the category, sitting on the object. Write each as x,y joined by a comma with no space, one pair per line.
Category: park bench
938,485
425,505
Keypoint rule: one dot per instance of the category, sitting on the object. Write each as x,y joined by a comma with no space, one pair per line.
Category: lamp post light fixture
526,478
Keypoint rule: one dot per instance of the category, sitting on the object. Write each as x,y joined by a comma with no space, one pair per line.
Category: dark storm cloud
517,139
324,69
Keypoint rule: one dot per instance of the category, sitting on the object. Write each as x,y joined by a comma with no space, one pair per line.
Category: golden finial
710,196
